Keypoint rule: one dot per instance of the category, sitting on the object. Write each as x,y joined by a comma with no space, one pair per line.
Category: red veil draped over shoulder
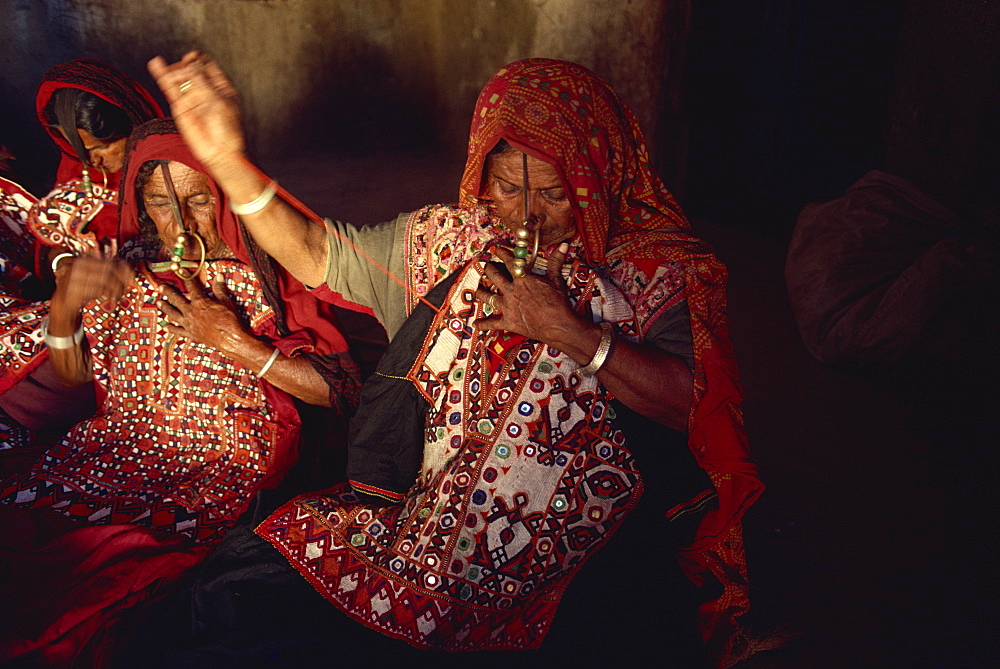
76,586
565,115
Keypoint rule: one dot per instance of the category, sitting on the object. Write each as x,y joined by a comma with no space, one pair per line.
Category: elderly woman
537,390
197,358
88,109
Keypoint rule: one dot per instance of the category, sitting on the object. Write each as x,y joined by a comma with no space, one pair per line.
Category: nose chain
177,254
524,259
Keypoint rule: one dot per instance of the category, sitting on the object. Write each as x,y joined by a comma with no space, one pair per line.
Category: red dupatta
308,325
111,86
106,83
564,114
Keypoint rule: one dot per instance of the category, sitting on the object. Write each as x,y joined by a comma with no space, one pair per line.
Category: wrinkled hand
206,319
87,278
207,110
535,306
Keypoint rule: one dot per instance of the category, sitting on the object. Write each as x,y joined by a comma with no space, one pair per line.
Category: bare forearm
295,242
296,376
654,383
72,366
205,106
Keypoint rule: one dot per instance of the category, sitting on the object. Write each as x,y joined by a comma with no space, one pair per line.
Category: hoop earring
177,256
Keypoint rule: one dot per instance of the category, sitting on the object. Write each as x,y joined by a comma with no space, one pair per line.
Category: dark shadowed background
870,546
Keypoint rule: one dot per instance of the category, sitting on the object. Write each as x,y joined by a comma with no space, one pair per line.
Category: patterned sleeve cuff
380,494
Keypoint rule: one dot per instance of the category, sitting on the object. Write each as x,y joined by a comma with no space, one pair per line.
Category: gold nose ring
524,259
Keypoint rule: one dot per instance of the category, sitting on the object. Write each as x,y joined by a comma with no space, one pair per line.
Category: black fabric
671,474
386,442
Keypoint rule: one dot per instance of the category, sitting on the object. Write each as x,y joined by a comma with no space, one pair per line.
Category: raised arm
205,105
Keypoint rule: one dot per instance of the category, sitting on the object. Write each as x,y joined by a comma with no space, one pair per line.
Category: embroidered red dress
524,471
15,240
130,499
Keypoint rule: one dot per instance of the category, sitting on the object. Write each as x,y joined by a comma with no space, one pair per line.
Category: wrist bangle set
61,343
258,202
603,350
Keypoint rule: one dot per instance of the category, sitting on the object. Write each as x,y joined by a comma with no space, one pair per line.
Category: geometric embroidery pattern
16,243
58,219
61,218
184,436
519,484
20,337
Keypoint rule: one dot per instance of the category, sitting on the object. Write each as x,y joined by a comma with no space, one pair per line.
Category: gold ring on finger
185,86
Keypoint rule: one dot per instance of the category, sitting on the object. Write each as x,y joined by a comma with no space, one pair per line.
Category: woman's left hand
535,306
212,320
207,319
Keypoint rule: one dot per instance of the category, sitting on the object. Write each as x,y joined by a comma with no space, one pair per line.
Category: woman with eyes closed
513,425
197,347
88,110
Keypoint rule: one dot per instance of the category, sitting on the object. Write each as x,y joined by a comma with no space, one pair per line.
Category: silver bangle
258,203
61,343
603,350
55,261
267,365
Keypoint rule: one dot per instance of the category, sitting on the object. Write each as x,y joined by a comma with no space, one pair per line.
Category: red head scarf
307,325
106,83
564,114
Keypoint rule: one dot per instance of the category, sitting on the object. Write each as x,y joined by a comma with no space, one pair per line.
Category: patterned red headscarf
565,115
106,83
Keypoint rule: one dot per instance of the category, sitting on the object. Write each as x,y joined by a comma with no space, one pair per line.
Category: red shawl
564,114
308,325
110,85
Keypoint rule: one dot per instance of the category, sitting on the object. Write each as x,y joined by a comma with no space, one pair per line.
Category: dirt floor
870,547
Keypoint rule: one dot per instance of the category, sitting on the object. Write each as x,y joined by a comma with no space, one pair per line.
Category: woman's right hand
207,319
78,281
83,279
204,103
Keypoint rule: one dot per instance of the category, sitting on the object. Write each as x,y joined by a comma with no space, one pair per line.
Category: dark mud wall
354,75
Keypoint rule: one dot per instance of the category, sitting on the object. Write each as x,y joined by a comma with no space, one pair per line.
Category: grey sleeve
350,274
671,333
